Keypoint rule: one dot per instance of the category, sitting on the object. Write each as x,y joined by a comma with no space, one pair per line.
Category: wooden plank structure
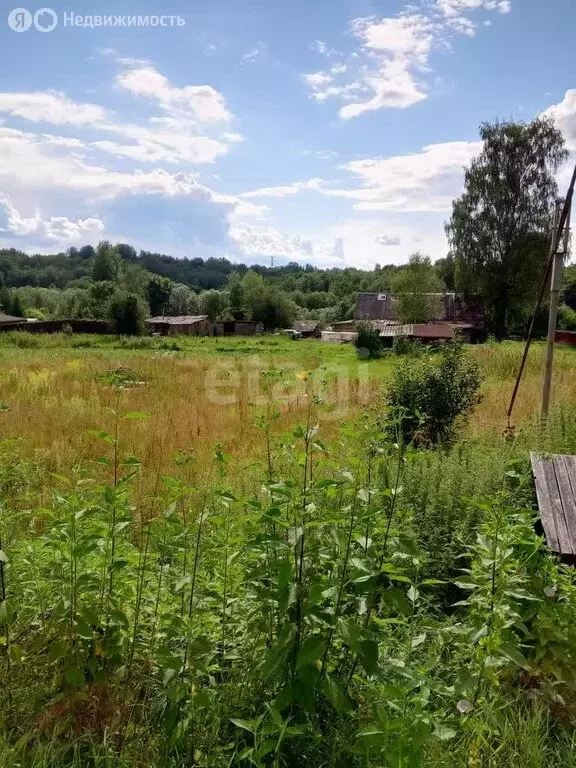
555,480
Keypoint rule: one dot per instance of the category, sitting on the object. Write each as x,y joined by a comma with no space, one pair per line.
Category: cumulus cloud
50,107
59,229
198,103
186,127
387,240
564,115
389,68
266,242
422,181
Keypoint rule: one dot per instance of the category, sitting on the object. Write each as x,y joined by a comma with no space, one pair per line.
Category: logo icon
45,20
19,20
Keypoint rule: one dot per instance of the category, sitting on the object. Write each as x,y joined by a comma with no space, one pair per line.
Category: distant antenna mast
272,262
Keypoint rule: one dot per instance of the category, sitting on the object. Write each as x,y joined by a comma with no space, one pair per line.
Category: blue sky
333,133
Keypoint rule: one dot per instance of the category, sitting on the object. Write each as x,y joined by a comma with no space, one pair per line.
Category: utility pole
555,287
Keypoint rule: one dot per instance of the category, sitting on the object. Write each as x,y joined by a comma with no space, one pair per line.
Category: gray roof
452,307
11,319
179,320
305,326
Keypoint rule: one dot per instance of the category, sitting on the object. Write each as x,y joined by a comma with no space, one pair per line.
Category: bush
404,346
430,395
128,314
368,341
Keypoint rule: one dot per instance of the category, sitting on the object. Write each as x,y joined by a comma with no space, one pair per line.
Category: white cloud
286,190
265,242
389,68
50,107
53,228
195,103
424,181
428,180
255,53
387,240
564,114
180,133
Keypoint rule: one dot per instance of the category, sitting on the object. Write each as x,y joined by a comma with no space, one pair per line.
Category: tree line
499,236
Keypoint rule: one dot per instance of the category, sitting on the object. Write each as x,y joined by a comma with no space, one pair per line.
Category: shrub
404,346
128,314
431,394
368,341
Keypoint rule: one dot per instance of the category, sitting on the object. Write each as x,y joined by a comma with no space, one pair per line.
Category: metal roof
179,320
11,319
420,331
452,307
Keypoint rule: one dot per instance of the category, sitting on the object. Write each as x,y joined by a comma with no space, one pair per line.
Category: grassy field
212,555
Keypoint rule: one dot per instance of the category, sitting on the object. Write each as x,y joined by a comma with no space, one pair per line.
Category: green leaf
444,734
136,415
336,696
15,653
310,651
3,556
119,618
245,724
513,654
83,629
74,677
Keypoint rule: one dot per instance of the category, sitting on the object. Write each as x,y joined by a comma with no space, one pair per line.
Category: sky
332,133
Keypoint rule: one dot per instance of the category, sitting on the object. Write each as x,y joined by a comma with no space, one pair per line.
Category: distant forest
87,282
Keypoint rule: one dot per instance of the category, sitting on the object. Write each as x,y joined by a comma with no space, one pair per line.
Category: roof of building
452,307
11,319
305,326
421,330
179,319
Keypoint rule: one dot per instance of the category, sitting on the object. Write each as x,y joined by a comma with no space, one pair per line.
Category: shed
425,332
182,325
238,328
307,329
8,322
566,337
555,480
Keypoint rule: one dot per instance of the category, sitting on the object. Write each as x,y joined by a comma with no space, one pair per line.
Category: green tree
569,289
500,227
159,289
127,312
107,263
254,288
182,301
214,304
100,294
414,286
236,296
446,269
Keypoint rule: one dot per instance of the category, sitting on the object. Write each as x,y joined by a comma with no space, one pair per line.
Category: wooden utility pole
555,287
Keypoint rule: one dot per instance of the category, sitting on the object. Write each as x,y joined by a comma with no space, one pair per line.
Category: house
465,315
182,325
307,329
238,328
9,322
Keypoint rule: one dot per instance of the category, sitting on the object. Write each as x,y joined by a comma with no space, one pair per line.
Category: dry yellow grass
55,395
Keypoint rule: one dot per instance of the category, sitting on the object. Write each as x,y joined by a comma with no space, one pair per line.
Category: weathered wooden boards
555,478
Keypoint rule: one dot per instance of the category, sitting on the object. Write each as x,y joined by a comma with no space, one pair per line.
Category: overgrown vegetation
432,393
346,599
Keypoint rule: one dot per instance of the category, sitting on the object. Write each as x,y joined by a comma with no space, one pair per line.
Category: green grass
280,589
